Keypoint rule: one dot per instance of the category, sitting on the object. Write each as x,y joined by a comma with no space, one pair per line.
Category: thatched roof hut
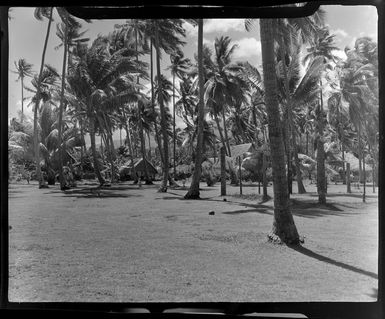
126,169
139,167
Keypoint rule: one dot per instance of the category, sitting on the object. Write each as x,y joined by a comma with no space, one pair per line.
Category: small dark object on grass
10,227
43,186
225,200
212,213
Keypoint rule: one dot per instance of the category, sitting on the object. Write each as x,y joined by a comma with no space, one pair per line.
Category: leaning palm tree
23,69
284,228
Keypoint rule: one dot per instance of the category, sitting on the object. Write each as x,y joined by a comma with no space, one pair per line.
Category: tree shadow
374,293
355,195
312,254
94,192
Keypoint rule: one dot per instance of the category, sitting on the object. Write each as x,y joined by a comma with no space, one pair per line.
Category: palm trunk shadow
312,254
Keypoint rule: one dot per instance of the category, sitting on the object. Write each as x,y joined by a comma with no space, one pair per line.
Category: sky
26,40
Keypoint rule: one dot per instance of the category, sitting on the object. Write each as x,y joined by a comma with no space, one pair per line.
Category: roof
139,166
239,150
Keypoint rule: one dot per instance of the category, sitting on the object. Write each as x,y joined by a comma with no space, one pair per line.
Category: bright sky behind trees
26,38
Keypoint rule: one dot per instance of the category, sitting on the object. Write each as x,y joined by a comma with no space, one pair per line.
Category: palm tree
40,13
136,36
166,33
102,82
284,228
179,66
61,107
322,46
193,192
225,86
23,69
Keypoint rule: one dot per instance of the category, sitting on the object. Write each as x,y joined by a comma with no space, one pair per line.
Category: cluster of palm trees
303,90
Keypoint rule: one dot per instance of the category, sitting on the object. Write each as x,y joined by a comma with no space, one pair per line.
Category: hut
127,171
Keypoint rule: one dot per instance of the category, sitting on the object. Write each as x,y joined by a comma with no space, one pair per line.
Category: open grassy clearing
130,244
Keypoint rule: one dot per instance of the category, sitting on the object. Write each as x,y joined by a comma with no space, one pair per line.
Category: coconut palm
225,86
322,46
101,82
284,228
193,192
23,69
166,33
40,13
179,66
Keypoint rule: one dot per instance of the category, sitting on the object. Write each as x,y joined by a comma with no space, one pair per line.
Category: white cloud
340,32
191,30
223,25
340,53
247,47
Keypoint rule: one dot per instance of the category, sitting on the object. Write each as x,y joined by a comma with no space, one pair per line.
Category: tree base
275,239
192,195
162,189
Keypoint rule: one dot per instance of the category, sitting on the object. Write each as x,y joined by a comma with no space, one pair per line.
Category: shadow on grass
374,293
312,254
356,195
92,192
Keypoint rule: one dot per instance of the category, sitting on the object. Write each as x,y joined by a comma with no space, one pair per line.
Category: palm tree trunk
81,147
157,135
321,178
284,229
140,126
35,129
61,107
221,133
174,134
22,99
93,149
364,178
128,138
360,153
301,188
193,192
163,121
224,129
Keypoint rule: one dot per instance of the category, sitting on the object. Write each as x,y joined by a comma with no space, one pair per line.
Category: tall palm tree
23,69
284,228
179,66
136,36
61,106
166,33
193,192
40,13
322,46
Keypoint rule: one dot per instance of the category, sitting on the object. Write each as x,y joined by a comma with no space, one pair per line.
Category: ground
133,244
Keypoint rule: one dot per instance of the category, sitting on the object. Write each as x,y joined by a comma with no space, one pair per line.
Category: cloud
223,25
340,32
247,47
190,29
340,53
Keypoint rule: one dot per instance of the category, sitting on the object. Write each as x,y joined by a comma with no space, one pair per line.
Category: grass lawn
134,244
